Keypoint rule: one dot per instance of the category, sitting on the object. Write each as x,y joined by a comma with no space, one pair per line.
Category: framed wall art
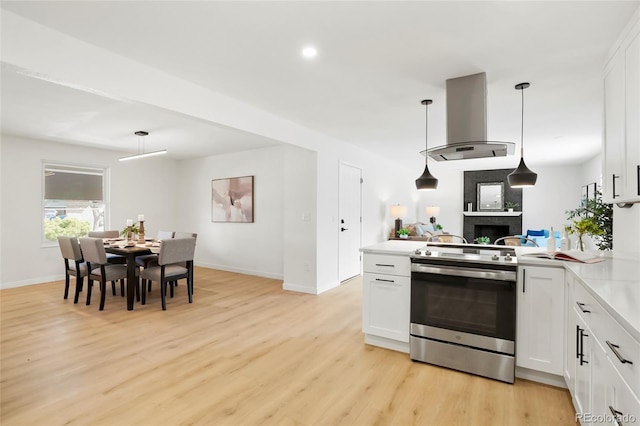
232,199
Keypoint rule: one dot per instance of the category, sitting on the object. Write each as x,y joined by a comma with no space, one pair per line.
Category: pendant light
141,134
522,177
426,182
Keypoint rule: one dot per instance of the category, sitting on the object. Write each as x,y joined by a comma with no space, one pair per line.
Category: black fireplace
492,231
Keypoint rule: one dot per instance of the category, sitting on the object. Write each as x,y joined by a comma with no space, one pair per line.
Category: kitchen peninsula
578,325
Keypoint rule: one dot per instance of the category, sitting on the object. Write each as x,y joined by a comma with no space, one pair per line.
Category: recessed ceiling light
309,52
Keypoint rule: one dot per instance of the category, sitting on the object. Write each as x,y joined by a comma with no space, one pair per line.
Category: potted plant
510,205
586,225
594,218
403,233
483,240
437,227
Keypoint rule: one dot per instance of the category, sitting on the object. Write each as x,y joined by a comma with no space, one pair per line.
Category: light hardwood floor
244,353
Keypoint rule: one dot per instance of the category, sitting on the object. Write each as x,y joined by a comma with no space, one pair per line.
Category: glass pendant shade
522,177
426,182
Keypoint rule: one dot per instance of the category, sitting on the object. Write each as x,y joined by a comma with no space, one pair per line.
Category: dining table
130,253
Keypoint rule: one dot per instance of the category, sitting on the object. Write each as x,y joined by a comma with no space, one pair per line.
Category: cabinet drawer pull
580,305
616,415
638,183
386,281
388,266
617,354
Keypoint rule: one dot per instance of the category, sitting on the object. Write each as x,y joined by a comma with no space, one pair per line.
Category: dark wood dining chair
172,253
74,264
100,270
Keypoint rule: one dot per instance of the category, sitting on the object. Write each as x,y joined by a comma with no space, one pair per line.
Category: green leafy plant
68,226
483,240
134,230
403,231
511,205
437,227
594,218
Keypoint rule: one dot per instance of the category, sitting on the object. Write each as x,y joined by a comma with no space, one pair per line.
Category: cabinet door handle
524,280
617,354
616,415
388,266
582,335
580,305
638,177
577,341
614,185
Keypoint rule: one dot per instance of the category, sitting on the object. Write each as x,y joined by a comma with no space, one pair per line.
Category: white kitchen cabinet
602,358
582,395
386,298
570,335
541,319
621,160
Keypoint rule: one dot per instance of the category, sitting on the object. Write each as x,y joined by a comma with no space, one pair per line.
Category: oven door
463,299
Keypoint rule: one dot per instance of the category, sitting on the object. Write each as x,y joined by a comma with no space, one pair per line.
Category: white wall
251,248
134,189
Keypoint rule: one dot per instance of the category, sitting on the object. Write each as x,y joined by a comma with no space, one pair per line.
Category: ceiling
376,62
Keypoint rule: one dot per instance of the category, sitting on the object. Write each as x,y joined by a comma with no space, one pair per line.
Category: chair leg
149,286
163,294
66,285
122,288
138,290
89,288
171,286
144,291
189,291
103,292
79,282
113,287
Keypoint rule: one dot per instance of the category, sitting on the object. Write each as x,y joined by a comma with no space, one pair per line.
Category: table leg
131,281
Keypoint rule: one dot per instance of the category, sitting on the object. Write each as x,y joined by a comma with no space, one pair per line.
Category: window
74,201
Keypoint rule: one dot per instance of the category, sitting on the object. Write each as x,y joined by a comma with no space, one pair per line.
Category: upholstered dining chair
172,253
100,269
515,240
149,260
74,264
447,238
185,235
111,258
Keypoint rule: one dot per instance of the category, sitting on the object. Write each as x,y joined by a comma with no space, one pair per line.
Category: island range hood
467,122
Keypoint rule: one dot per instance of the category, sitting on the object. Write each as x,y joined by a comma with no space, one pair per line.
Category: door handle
343,229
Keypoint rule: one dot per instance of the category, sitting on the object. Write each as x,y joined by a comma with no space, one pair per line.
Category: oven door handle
488,274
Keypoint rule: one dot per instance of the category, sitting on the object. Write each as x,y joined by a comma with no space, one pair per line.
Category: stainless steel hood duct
467,122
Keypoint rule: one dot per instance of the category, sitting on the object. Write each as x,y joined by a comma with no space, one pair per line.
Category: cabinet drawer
611,336
387,264
622,349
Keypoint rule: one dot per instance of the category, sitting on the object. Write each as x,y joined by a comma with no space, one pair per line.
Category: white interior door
350,221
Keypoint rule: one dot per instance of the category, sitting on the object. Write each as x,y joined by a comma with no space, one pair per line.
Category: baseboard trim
541,377
300,288
274,276
32,281
383,342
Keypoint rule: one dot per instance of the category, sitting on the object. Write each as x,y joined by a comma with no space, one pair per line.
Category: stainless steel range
463,309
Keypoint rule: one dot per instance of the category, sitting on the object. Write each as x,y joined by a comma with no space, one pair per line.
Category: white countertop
615,283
